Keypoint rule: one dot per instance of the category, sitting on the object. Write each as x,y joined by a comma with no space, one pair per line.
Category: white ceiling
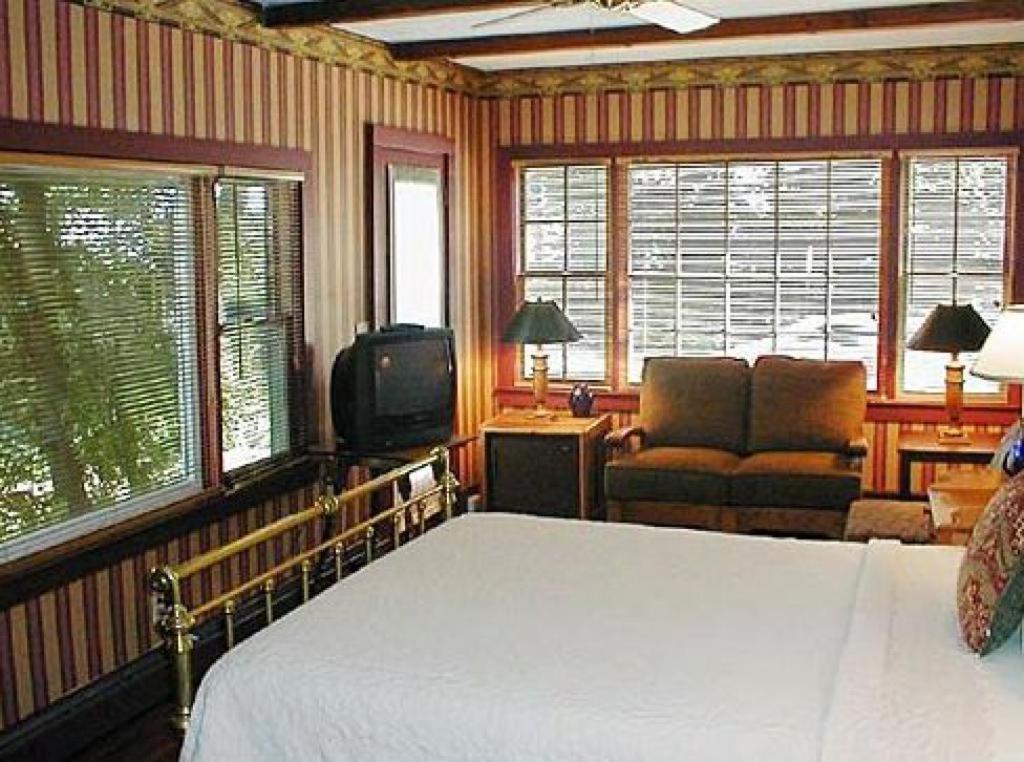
827,42
469,24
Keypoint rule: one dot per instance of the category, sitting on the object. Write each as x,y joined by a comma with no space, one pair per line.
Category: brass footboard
176,621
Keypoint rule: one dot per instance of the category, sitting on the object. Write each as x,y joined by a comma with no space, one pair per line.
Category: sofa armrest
619,438
856,449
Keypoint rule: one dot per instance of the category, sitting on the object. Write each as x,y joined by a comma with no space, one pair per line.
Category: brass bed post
176,621
174,625
449,484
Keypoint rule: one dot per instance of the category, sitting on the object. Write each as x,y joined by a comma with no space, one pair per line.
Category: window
259,257
98,373
417,230
120,320
410,225
954,251
563,257
745,258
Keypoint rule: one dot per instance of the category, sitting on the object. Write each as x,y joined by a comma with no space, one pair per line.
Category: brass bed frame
176,621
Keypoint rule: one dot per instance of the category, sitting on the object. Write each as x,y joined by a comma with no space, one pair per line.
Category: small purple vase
581,400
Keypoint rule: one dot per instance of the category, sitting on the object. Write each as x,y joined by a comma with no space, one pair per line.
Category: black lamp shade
951,328
540,322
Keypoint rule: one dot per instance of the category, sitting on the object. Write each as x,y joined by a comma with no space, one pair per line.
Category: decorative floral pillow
990,590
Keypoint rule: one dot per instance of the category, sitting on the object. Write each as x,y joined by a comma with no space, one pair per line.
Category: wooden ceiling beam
908,16
351,11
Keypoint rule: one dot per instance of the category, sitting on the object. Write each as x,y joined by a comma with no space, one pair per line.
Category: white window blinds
955,249
745,258
259,255
563,246
98,381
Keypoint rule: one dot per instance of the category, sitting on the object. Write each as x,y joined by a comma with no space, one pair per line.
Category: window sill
30,575
996,410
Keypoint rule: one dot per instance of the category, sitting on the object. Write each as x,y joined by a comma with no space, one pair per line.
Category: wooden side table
957,503
924,447
545,466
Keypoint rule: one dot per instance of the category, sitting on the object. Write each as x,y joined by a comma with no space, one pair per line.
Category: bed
498,637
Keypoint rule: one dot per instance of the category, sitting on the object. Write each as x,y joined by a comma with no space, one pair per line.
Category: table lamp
1002,359
952,328
540,323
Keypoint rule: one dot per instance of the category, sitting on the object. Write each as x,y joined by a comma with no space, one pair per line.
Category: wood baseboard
65,729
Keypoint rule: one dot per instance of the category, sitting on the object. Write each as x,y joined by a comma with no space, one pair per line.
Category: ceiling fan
665,13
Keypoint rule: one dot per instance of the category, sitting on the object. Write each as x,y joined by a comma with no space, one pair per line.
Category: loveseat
777,447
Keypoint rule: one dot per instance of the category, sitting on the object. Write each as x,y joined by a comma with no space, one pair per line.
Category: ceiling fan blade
516,15
674,16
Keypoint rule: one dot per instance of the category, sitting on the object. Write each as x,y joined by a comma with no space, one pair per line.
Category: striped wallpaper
881,467
66,64
77,64
979,104
85,628
716,118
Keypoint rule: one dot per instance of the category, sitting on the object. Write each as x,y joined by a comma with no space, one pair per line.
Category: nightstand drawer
534,474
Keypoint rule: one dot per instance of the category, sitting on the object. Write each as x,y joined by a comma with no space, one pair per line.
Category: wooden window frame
608,380
1012,284
209,256
394,145
512,389
776,159
117,149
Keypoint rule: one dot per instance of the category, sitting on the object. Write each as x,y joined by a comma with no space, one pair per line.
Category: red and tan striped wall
717,114
881,467
877,101
204,70
67,64
85,628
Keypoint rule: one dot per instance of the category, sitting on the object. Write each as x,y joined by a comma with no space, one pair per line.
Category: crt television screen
411,377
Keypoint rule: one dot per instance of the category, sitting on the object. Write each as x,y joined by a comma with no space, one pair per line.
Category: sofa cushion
806,404
673,474
795,480
695,402
990,586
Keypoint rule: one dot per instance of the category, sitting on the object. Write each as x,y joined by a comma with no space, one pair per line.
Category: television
395,388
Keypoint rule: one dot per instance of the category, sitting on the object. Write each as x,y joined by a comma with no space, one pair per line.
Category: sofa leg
614,511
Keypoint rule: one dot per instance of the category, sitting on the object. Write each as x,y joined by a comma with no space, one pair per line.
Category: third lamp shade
951,328
1002,357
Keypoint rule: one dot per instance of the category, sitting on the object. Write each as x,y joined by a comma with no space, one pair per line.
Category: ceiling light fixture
671,15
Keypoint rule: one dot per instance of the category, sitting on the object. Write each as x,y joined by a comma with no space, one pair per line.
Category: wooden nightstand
924,447
957,503
545,466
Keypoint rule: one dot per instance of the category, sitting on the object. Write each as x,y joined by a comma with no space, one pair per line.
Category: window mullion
828,258
727,264
207,322
776,327
955,264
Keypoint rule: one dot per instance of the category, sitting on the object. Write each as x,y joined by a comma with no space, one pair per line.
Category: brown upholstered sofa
777,447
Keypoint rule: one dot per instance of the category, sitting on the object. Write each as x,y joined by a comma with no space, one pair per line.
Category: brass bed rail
176,621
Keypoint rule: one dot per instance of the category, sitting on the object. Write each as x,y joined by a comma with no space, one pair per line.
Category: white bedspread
907,689
511,638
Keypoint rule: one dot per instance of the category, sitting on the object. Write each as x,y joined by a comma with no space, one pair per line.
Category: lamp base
541,413
953,435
